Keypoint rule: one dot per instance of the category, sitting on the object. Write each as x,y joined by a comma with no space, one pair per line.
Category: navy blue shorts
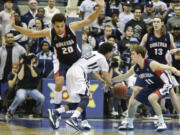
62,70
143,94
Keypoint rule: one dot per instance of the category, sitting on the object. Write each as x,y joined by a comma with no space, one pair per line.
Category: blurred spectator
113,6
97,28
175,20
91,40
117,26
138,25
126,15
112,39
9,53
31,14
86,8
159,6
40,16
170,11
35,44
28,76
5,17
45,59
51,10
86,47
107,32
149,14
18,37
10,92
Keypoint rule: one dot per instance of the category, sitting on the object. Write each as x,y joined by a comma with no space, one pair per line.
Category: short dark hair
111,36
139,50
8,34
58,18
105,48
137,8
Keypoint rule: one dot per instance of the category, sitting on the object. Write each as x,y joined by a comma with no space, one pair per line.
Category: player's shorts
60,69
143,94
77,83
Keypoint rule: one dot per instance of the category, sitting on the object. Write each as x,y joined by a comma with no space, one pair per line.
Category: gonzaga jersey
67,49
152,79
158,47
93,62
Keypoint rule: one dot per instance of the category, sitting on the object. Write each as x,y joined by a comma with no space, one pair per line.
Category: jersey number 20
67,50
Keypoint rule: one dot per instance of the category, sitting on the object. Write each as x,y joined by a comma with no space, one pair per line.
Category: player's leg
176,102
153,99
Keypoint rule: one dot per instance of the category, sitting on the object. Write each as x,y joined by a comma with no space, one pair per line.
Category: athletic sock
130,121
161,119
57,97
76,114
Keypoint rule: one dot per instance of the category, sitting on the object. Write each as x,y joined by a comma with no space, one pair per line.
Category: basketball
120,90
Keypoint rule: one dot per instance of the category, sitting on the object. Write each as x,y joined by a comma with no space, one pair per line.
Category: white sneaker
114,113
161,127
125,120
126,126
85,125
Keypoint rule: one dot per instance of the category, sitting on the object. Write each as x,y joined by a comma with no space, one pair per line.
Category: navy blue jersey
149,78
67,49
158,47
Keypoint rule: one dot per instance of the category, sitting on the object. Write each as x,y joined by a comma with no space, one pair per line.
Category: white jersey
92,62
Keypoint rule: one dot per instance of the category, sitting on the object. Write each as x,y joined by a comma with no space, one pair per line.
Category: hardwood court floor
32,126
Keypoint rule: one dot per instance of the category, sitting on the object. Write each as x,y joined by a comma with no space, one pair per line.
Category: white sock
130,121
61,110
161,119
76,114
57,97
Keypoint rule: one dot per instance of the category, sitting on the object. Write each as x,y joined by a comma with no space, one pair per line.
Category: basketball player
78,84
156,85
64,41
157,43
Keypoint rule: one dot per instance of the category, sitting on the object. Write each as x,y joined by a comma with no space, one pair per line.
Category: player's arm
144,40
124,76
156,66
107,77
98,77
173,46
30,33
79,24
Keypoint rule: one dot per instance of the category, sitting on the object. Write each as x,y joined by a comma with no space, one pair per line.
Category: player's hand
101,3
173,51
12,20
177,73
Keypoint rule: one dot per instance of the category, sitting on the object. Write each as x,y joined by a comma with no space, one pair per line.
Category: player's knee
153,98
59,83
84,102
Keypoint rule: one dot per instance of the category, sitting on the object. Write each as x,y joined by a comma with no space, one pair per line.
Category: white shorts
77,83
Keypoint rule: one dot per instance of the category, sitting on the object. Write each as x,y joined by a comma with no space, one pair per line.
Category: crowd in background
121,23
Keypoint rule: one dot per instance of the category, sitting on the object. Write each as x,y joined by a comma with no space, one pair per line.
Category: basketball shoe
126,126
161,127
73,122
85,125
54,118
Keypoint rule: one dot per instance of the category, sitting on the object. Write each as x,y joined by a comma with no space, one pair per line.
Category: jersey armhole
72,30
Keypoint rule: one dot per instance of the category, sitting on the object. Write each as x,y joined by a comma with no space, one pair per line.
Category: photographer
28,77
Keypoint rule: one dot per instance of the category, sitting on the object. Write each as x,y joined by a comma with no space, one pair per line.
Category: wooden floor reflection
30,126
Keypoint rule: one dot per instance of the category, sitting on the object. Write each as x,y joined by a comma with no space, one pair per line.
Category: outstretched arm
79,24
30,33
155,66
124,76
